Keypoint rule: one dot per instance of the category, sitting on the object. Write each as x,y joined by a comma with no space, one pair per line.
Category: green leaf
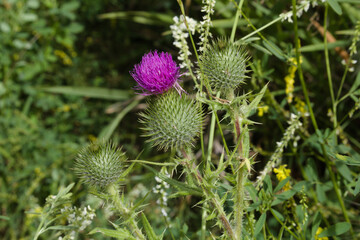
357,187
281,184
320,193
70,6
64,191
283,196
179,185
321,46
355,84
335,6
252,192
343,170
148,229
92,92
316,224
335,230
118,234
61,228
260,223
254,104
274,49
258,47
267,184
277,214
75,27
6,218
148,18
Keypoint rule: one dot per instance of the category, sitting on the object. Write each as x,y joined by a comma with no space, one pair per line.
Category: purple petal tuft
156,73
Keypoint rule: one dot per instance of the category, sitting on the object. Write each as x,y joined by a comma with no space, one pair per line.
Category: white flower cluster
275,159
206,23
160,188
301,8
180,34
77,217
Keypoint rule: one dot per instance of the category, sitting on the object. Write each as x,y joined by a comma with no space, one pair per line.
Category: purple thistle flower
156,73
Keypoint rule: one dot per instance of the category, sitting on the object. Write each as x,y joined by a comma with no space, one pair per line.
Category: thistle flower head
100,164
156,73
224,65
172,121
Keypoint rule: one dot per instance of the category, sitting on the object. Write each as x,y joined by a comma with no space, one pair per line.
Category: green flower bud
172,121
100,164
224,65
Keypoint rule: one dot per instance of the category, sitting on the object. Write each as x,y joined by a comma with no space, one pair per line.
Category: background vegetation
59,58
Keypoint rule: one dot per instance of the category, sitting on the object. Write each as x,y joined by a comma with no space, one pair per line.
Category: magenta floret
156,73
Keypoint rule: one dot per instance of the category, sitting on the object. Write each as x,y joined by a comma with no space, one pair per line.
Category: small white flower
164,213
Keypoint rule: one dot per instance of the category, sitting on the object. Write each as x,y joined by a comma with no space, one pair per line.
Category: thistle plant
102,164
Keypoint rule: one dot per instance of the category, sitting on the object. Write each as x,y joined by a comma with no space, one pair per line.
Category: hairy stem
214,198
124,212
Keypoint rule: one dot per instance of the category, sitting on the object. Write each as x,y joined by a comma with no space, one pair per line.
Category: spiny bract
100,164
172,121
224,65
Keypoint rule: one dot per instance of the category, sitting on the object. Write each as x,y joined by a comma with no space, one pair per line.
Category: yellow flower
300,106
64,57
318,231
282,173
290,79
262,110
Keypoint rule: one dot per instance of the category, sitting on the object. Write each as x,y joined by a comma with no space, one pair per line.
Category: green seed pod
100,164
224,65
172,121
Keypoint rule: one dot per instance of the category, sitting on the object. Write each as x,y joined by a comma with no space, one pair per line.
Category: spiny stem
124,211
209,195
239,200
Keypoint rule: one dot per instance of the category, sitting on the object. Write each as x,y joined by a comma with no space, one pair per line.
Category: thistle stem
239,200
124,212
214,198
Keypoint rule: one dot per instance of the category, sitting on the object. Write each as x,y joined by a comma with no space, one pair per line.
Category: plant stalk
124,211
209,195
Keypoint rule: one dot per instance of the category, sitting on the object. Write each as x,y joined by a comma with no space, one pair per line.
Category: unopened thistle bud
100,164
224,65
172,121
